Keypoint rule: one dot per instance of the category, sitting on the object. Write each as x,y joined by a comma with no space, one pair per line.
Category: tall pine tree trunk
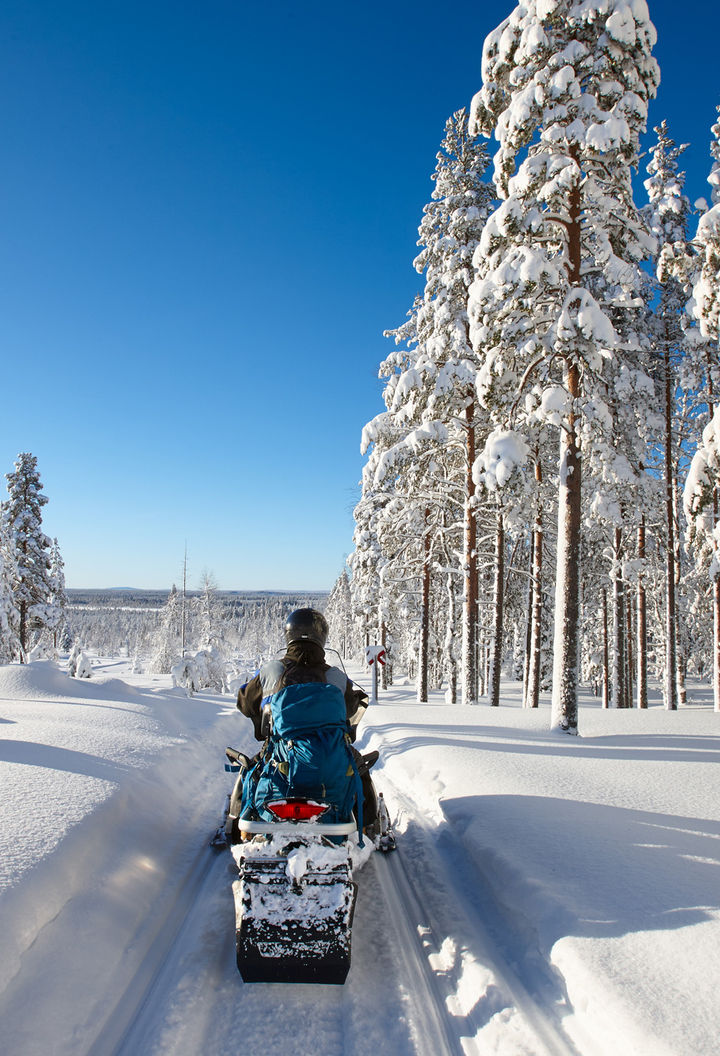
670,627
528,621
716,642
470,570
629,656
566,645
641,623
532,695
450,661
606,653
422,683
618,653
498,605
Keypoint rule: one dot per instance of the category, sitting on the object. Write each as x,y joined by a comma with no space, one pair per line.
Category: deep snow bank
94,773
602,853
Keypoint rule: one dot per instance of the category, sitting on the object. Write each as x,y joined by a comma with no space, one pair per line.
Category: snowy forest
540,494
205,638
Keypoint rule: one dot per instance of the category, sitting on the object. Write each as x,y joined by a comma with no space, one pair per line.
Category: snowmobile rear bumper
293,931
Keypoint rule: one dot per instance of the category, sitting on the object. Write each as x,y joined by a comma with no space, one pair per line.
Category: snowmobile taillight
297,809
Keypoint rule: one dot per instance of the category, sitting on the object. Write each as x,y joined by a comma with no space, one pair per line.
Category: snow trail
543,887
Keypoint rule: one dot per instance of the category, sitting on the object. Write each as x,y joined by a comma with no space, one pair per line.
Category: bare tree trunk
681,645
528,622
532,696
450,661
22,633
618,655
482,664
422,683
716,581
606,654
630,659
566,646
641,623
470,570
670,627
716,642
498,605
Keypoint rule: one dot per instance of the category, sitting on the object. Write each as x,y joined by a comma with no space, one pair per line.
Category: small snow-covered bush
205,670
80,666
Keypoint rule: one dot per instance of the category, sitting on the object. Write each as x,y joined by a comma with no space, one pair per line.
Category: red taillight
297,809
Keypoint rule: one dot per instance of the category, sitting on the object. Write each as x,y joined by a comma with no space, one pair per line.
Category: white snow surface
593,861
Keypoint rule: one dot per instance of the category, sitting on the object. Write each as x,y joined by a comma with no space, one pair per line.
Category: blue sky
209,214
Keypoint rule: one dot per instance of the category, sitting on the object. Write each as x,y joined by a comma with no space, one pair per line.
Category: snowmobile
295,894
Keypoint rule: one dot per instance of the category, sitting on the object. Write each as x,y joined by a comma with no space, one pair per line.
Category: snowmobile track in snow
444,935
452,976
126,1022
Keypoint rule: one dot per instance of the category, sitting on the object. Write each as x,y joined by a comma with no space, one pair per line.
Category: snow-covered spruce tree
33,587
367,562
700,498
432,379
706,286
56,617
702,490
565,89
668,214
167,648
339,614
208,612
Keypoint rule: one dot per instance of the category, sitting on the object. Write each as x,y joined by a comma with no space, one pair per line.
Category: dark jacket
303,662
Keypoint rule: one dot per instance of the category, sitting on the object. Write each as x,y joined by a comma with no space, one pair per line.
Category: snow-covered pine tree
56,617
432,383
668,213
167,644
208,613
339,614
706,287
700,499
33,587
702,490
565,90
367,561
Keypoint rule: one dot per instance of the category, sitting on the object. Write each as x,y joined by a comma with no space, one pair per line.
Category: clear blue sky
209,215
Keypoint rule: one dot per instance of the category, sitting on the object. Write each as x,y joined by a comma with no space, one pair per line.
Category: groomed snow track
467,990
135,1011
422,956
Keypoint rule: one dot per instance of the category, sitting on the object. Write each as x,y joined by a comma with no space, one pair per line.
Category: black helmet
306,625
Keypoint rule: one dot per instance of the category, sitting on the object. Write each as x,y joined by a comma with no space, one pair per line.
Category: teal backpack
307,754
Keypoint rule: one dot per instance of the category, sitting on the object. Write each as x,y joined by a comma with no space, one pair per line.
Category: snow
593,862
504,452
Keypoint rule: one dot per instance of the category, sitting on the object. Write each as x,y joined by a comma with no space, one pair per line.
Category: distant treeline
133,622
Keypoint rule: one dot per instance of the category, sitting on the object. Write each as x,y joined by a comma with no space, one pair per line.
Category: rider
306,632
